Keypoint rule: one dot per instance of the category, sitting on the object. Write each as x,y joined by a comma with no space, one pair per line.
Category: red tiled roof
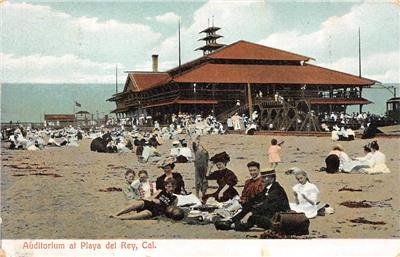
250,51
147,80
343,101
269,74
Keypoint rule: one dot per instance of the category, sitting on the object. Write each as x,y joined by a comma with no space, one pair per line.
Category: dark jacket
180,184
266,204
224,177
275,201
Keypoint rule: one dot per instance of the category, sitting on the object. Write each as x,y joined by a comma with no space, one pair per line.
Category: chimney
154,58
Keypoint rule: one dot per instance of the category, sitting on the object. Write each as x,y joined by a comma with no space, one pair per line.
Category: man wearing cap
260,209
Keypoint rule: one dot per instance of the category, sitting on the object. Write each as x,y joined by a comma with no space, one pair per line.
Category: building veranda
284,88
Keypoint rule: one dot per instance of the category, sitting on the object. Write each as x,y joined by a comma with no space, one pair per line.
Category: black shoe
223,225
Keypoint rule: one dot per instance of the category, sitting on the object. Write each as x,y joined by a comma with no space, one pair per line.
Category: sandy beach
69,204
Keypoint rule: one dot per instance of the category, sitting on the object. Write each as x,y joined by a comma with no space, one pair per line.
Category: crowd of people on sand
341,124
32,139
347,119
243,122
119,138
262,196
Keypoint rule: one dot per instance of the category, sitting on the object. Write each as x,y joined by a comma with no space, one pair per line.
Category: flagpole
179,42
359,52
116,79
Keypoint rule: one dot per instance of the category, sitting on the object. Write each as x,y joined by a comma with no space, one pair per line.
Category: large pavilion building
242,77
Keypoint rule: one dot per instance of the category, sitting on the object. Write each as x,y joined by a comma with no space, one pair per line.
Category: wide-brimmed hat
166,161
267,172
339,147
220,157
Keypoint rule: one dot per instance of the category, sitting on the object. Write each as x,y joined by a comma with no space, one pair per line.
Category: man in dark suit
260,209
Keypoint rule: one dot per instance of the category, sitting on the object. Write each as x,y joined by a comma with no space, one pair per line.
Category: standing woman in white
306,195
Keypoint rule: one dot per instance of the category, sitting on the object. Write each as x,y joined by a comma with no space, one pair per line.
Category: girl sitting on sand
144,188
273,153
305,193
152,208
128,190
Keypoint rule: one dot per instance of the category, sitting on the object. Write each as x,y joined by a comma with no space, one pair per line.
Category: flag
78,104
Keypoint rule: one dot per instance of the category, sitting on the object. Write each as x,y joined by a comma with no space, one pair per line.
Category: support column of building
330,96
360,96
250,102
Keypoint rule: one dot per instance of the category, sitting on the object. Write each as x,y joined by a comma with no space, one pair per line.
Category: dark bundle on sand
271,234
367,204
204,207
38,174
350,189
353,204
110,189
46,174
362,220
14,166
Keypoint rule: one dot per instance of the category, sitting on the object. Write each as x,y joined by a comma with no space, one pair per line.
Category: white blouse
311,192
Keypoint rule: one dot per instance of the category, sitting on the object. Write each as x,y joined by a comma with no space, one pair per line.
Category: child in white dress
306,195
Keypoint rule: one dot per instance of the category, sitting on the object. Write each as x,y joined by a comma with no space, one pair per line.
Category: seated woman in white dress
360,163
377,162
306,195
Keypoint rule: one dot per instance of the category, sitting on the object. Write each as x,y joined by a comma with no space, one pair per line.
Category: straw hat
166,161
338,147
267,172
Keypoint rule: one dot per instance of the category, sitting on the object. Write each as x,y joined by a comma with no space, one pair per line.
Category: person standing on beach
201,166
273,153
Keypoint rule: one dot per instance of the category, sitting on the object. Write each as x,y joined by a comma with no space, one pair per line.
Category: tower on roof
211,40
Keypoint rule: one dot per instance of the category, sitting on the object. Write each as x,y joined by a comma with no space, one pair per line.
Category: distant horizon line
110,83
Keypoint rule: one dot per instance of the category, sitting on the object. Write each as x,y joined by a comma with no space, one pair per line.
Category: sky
83,41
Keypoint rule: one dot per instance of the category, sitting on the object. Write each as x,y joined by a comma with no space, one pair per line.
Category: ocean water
29,102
